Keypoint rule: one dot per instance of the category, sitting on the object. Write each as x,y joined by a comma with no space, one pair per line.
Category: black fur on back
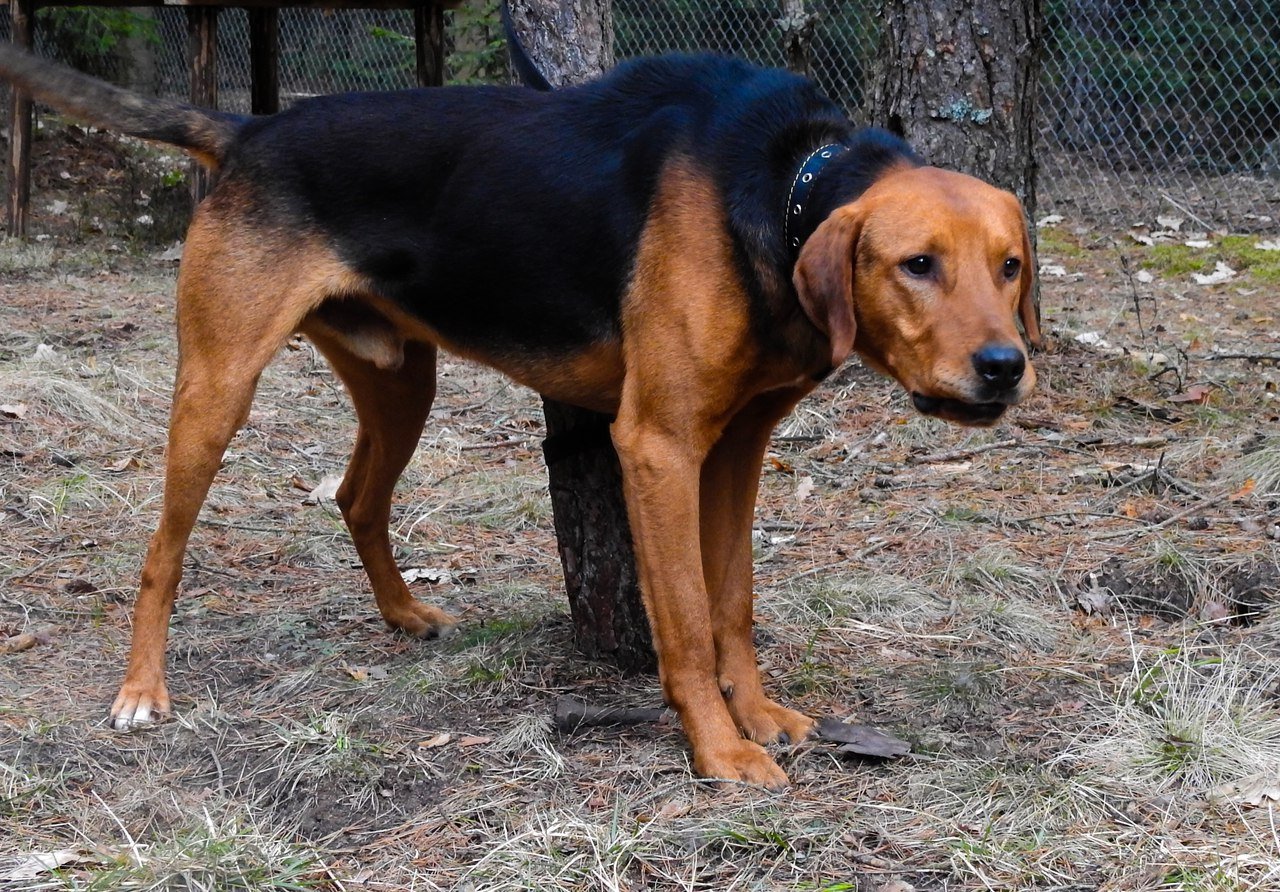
508,216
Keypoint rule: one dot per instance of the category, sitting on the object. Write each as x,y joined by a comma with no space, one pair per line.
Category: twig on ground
50,560
1182,207
502,444
1247,357
958,454
1205,503
571,714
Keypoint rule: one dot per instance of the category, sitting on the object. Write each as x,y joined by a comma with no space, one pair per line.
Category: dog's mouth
958,411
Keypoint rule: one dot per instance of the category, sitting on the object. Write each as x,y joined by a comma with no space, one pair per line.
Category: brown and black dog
689,244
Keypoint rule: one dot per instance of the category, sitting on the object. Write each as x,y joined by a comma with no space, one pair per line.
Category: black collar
806,176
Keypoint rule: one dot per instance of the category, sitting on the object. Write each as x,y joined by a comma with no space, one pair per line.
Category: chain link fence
1146,107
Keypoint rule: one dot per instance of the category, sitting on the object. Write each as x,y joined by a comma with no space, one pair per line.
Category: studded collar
798,197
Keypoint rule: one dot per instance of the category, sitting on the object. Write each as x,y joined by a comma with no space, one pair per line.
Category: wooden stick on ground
573,714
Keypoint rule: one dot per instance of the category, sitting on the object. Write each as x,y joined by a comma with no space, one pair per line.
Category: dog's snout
1000,366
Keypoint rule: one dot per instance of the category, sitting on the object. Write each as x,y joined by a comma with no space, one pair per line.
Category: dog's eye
1012,267
920,265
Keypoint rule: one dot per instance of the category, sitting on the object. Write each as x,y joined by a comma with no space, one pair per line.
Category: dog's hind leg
730,480
238,303
392,405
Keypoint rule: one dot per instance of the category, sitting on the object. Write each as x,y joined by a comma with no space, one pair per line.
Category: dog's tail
528,72
207,135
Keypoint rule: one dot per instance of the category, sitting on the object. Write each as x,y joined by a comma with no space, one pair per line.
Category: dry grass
929,580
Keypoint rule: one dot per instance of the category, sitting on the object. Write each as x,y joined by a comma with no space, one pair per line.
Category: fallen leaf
1270,245
674,808
472,740
804,488
1053,269
1174,223
862,740
1142,239
431,575
1196,393
14,410
896,886
436,742
128,463
1221,273
1252,791
325,491
1198,243
1092,339
1144,276
36,864
1050,220
1096,599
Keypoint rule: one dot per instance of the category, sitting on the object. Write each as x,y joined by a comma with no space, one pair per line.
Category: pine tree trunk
957,79
570,41
797,25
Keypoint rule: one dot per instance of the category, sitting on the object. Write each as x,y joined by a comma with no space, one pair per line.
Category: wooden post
428,33
22,27
570,42
264,60
202,51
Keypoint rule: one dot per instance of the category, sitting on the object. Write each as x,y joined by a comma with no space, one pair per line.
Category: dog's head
922,276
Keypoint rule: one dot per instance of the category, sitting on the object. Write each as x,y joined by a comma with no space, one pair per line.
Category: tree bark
570,41
957,79
797,25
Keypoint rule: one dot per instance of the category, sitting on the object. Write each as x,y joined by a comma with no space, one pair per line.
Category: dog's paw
139,704
743,762
422,621
766,722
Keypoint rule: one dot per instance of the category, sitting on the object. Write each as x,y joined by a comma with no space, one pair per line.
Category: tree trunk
957,79
797,25
570,41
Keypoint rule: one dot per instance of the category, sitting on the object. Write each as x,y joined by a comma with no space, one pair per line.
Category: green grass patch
1240,252
1176,260
235,857
1054,242
492,631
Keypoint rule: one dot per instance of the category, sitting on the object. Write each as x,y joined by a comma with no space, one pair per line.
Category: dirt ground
1070,616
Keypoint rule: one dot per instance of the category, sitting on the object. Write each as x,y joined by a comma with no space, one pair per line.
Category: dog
689,244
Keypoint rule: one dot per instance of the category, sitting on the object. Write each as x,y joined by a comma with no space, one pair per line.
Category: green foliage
478,49
1196,79
378,60
89,37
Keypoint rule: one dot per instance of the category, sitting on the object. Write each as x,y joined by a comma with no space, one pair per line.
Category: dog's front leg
730,479
661,467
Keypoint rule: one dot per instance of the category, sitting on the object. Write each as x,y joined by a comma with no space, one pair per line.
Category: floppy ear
1027,310
824,279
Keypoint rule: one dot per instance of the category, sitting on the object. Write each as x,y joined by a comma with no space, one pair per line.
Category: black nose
1000,366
